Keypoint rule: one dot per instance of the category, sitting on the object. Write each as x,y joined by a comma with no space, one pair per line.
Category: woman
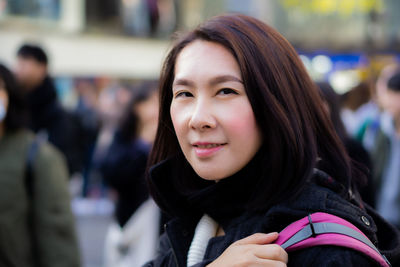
123,169
124,165
37,226
242,130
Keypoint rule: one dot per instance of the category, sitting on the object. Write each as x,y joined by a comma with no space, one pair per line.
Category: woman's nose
202,117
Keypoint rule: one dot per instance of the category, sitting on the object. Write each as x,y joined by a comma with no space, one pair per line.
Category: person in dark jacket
125,162
137,226
63,129
244,147
382,137
37,227
354,148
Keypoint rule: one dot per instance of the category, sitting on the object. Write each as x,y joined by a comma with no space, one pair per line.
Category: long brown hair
17,115
286,104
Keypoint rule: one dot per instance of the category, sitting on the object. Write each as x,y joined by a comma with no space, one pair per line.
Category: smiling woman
238,107
210,111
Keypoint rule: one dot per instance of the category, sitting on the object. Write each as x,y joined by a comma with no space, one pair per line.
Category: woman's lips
204,150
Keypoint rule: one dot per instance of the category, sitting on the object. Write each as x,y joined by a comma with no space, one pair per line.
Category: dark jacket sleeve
328,256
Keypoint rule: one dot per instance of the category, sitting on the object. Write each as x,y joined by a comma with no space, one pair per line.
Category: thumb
258,239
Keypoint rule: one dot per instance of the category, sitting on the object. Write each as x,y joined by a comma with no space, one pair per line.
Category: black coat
63,128
123,169
317,196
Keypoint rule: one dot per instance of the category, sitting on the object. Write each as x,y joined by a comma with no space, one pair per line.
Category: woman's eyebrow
213,81
224,78
183,82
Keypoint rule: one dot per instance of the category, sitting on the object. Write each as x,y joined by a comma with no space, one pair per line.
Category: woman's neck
220,231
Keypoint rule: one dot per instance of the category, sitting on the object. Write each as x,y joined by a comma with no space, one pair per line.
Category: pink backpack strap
322,228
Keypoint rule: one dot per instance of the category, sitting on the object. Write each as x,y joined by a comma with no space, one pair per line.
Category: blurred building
129,38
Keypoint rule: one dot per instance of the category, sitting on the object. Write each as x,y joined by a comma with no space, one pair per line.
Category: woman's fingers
271,252
258,239
254,250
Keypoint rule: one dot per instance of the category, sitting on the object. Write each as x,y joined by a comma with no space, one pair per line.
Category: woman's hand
254,250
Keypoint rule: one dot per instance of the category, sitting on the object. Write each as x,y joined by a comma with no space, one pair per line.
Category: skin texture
210,106
253,250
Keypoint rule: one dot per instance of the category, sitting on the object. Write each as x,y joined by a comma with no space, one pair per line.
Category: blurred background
342,41
102,51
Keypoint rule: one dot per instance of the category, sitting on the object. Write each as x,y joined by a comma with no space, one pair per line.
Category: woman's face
210,111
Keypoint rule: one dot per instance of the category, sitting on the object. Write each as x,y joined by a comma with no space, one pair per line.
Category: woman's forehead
206,59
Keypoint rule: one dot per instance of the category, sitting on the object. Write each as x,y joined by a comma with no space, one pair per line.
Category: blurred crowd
96,150
99,149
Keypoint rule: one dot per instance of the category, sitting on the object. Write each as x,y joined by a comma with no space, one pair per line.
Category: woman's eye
183,94
227,91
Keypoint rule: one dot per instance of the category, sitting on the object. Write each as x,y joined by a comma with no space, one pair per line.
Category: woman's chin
212,174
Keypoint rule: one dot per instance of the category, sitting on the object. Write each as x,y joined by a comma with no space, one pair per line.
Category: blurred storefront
129,38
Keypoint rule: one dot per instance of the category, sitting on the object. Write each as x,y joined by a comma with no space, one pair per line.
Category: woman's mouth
205,150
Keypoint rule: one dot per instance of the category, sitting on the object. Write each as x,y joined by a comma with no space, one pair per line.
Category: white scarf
205,230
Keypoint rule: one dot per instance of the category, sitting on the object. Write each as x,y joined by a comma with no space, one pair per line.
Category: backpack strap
325,229
30,157
29,188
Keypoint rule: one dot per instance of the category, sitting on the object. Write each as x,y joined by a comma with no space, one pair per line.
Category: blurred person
383,139
374,106
357,105
87,104
354,148
123,169
125,162
244,147
37,226
87,110
113,99
47,116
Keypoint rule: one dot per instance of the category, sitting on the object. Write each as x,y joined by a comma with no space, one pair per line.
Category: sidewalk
93,217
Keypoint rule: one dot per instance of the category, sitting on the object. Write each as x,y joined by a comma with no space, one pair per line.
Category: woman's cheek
239,120
179,118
